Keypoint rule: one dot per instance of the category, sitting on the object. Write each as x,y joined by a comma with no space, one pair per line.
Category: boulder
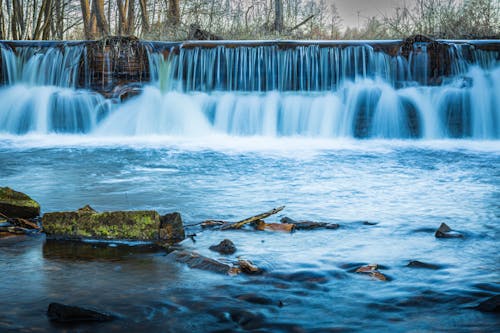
17,204
130,225
224,247
68,313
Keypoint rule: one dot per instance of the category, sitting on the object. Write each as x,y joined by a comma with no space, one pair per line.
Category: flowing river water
419,156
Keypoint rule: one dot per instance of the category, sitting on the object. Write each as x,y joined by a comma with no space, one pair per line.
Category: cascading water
243,89
40,93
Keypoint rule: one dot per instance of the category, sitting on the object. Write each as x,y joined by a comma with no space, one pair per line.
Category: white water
306,91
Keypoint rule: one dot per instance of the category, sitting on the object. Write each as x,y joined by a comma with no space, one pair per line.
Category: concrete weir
118,66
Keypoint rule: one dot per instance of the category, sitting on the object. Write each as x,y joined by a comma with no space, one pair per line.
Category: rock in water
68,313
196,260
17,204
444,231
309,225
224,247
130,225
492,304
172,228
419,264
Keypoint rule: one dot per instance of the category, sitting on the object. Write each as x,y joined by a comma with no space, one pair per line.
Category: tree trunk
102,24
174,12
84,4
144,16
122,14
278,16
2,24
131,18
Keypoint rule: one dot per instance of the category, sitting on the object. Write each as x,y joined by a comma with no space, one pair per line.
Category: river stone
196,260
171,227
17,204
444,231
128,225
224,247
68,313
492,304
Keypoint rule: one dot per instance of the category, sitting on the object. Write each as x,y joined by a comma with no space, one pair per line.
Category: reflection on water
309,284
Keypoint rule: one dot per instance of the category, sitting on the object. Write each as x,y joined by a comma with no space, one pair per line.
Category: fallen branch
255,218
302,23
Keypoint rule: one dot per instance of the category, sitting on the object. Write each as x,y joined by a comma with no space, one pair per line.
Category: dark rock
172,228
224,247
17,204
369,223
255,299
68,313
492,304
308,225
246,319
196,260
419,264
248,267
444,231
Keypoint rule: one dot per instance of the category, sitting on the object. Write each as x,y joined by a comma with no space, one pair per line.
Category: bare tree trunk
48,13
100,17
174,12
2,22
131,18
122,13
144,16
59,23
85,6
278,15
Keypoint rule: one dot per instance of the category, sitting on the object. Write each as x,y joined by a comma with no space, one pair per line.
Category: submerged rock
284,227
372,270
196,260
248,267
492,304
224,247
419,264
131,225
17,204
309,225
444,231
68,313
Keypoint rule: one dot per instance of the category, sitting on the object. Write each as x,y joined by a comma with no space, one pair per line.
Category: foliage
241,19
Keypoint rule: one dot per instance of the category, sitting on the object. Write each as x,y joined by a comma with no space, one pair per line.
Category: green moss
11,197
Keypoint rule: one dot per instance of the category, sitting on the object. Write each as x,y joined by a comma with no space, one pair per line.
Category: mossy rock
127,225
17,204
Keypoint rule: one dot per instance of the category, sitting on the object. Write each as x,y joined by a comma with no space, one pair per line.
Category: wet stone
256,299
196,260
309,225
419,264
69,313
492,304
444,231
17,204
224,247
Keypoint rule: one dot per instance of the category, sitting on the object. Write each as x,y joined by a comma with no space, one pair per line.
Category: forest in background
240,19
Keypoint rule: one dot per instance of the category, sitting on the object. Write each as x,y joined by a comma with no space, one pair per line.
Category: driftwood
285,227
255,218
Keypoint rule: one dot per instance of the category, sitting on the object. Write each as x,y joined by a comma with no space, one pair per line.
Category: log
284,227
255,218
24,223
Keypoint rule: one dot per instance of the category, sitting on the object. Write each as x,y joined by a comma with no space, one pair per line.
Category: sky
348,9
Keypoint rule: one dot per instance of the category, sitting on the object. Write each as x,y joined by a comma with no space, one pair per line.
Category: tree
278,16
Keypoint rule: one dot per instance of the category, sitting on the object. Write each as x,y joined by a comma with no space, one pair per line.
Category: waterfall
41,95
323,90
